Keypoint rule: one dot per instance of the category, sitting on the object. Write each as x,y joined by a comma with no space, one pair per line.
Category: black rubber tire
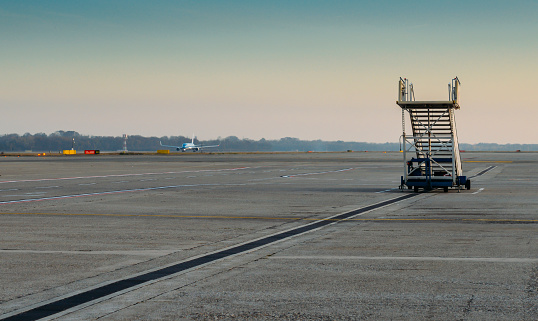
445,189
468,184
415,189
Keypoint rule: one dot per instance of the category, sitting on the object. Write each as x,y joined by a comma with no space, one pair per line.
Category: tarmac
292,236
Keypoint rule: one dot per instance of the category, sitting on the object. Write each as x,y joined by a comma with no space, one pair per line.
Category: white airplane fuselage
189,146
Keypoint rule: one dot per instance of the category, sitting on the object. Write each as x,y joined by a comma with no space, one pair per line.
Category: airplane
189,146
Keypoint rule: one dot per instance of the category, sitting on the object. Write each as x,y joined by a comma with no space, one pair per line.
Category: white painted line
480,190
37,194
318,173
48,187
108,193
135,252
123,175
387,190
412,258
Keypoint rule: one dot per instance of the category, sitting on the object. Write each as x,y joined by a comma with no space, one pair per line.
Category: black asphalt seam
483,172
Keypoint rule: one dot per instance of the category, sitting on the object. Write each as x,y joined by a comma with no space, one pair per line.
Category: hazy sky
309,69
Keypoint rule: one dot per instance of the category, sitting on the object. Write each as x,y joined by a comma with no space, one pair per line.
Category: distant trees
61,140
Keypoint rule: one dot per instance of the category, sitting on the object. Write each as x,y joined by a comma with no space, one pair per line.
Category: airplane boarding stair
433,145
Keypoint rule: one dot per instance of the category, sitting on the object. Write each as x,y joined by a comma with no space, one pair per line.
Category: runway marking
26,194
48,187
387,190
480,190
451,220
122,175
135,252
86,184
140,189
487,161
318,173
168,216
109,193
112,289
411,258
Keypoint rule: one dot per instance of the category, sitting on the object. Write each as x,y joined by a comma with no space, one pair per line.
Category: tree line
62,140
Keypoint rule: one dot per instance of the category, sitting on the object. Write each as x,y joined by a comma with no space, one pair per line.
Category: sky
309,69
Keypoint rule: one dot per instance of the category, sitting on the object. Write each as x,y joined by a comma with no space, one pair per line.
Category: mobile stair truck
434,156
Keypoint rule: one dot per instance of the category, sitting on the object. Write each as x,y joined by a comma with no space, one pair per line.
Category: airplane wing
169,145
201,146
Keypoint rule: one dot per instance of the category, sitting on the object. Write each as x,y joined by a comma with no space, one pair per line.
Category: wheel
468,184
445,189
415,189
